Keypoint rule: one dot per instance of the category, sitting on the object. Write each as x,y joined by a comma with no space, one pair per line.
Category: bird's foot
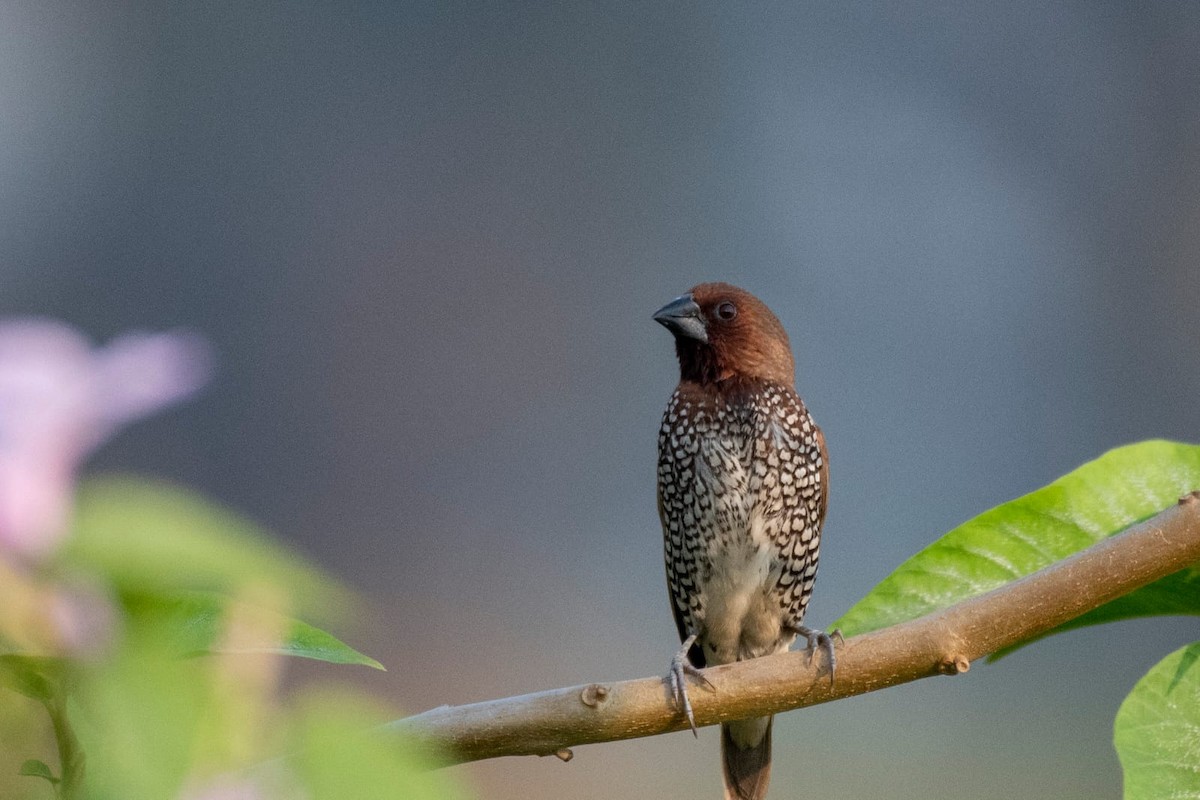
681,667
820,640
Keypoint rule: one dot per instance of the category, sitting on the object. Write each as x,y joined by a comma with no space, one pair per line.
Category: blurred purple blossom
60,399
228,788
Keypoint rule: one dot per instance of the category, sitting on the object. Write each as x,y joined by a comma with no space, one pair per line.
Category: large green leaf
1099,499
199,621
152,538
1157,732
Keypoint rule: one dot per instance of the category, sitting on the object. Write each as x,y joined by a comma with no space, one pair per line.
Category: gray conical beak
682,317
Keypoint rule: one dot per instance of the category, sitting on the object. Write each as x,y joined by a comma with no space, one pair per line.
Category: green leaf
199,620
1157,731
37,769
151,538
1099,499
305,641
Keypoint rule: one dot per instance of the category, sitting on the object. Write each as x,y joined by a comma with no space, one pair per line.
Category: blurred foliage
337,757
1157,732
152,538
140,718
181,700
37,677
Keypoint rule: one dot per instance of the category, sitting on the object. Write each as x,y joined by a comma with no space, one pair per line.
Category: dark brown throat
698,363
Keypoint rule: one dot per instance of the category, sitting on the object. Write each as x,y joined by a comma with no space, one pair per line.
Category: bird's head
723,332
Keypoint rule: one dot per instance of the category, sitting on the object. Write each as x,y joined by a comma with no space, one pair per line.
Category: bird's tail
746,758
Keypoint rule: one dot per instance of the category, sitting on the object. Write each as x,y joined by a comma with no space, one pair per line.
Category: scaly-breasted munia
743,479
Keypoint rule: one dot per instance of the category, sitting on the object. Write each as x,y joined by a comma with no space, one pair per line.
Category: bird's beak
682,317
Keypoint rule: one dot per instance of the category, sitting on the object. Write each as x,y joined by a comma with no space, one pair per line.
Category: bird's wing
792,491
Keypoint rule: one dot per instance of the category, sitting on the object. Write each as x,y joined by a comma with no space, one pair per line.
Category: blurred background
426,240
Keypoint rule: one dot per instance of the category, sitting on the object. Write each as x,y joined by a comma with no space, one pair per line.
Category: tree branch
944,642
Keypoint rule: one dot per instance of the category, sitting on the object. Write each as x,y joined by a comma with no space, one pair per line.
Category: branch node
564,754
954,665
593,695
1189,498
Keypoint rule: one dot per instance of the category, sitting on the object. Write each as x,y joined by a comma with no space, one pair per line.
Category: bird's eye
726,311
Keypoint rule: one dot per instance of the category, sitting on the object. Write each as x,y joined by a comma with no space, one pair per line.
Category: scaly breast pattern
741,496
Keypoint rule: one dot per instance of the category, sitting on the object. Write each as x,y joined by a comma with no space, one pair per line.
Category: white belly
741,618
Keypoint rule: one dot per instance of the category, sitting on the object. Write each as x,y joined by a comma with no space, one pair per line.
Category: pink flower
60,399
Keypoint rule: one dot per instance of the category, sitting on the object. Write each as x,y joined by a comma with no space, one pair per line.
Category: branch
944,642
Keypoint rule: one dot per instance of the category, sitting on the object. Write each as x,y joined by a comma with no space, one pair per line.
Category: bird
743,485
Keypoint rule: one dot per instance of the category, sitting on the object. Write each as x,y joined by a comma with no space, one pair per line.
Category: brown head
723,332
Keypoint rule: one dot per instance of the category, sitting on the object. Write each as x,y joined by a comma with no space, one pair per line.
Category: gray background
426,239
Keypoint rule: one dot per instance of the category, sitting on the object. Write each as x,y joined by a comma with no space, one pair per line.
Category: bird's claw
821,640
681,667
